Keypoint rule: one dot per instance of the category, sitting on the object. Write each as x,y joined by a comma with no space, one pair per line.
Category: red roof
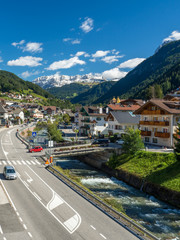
118,107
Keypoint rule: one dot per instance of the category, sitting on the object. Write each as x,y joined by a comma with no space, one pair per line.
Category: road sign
50,144
34,134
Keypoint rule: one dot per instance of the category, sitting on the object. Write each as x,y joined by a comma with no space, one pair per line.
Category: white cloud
76,41
78,54
81,70
67,39
175,35
92,60
1,60
33,47
86,55
72,40
67,63
26,61
100,54
111,59
131,63
28,74
87,25
17,44
113,73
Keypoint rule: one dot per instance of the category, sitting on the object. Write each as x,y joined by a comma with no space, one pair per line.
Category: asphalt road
44,207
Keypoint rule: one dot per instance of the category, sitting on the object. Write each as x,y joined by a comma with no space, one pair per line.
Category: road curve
44,207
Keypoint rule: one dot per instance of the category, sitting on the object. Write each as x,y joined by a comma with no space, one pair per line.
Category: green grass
158,168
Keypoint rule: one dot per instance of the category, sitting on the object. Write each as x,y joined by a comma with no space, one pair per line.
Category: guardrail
120,218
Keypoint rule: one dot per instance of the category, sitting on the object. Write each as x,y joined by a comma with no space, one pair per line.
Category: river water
160,218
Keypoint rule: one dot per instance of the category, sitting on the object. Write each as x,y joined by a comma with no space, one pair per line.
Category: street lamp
50,144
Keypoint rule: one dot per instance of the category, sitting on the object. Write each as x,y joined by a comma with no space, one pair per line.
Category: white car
120,141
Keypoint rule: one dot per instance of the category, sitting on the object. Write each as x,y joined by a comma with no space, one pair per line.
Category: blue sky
79,37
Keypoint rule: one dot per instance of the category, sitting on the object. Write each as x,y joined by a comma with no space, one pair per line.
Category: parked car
9,172
102,142
36,149
120,141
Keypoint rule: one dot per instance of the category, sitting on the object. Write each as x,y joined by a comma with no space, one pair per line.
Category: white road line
14,162
30,234
0,163
25,183
24,226
102,236
20,219
37,196
37,162
17,213
28,162
4,238
19,162
8,195
1,231
92,227
33,162
23,162
9,162
4,162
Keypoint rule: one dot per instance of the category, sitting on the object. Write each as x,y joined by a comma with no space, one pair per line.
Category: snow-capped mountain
58,80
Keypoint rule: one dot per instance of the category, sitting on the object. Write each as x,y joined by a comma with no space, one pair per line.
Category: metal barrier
120,218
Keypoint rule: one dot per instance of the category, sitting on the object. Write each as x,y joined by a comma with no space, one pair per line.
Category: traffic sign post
34,134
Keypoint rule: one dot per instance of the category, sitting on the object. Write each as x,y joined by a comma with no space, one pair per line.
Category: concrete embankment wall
99,160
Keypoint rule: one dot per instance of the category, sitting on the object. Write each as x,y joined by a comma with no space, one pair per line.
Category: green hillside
90,96
149,72
10,82
69,91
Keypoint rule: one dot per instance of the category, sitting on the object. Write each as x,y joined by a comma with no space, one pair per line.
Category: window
146,139
145,128
145,119
165,130
155,140
155,118
153,108
154,129
98,119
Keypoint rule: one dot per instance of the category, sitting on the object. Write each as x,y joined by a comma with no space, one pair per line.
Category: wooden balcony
155,123
162,134
145,133
152,112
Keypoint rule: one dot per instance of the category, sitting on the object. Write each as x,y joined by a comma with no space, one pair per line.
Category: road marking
37,162
30,179
8,195
102,236
28,162
37,196
55,201
1,231
14,162
4,162
4,238
19,162
71,222
17,213
23,162
20,219
25,183
92,227
33,162
30,234
0,163
9,162
24,226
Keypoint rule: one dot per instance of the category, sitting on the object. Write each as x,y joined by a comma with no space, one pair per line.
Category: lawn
159,168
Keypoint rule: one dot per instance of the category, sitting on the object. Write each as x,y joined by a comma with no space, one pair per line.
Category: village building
158,121
92,121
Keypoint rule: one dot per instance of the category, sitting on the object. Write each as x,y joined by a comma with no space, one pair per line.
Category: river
158,217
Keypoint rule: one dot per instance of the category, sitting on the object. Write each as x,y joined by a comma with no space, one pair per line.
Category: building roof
120,107
93,111
53,108
16,111
125,117
168,106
